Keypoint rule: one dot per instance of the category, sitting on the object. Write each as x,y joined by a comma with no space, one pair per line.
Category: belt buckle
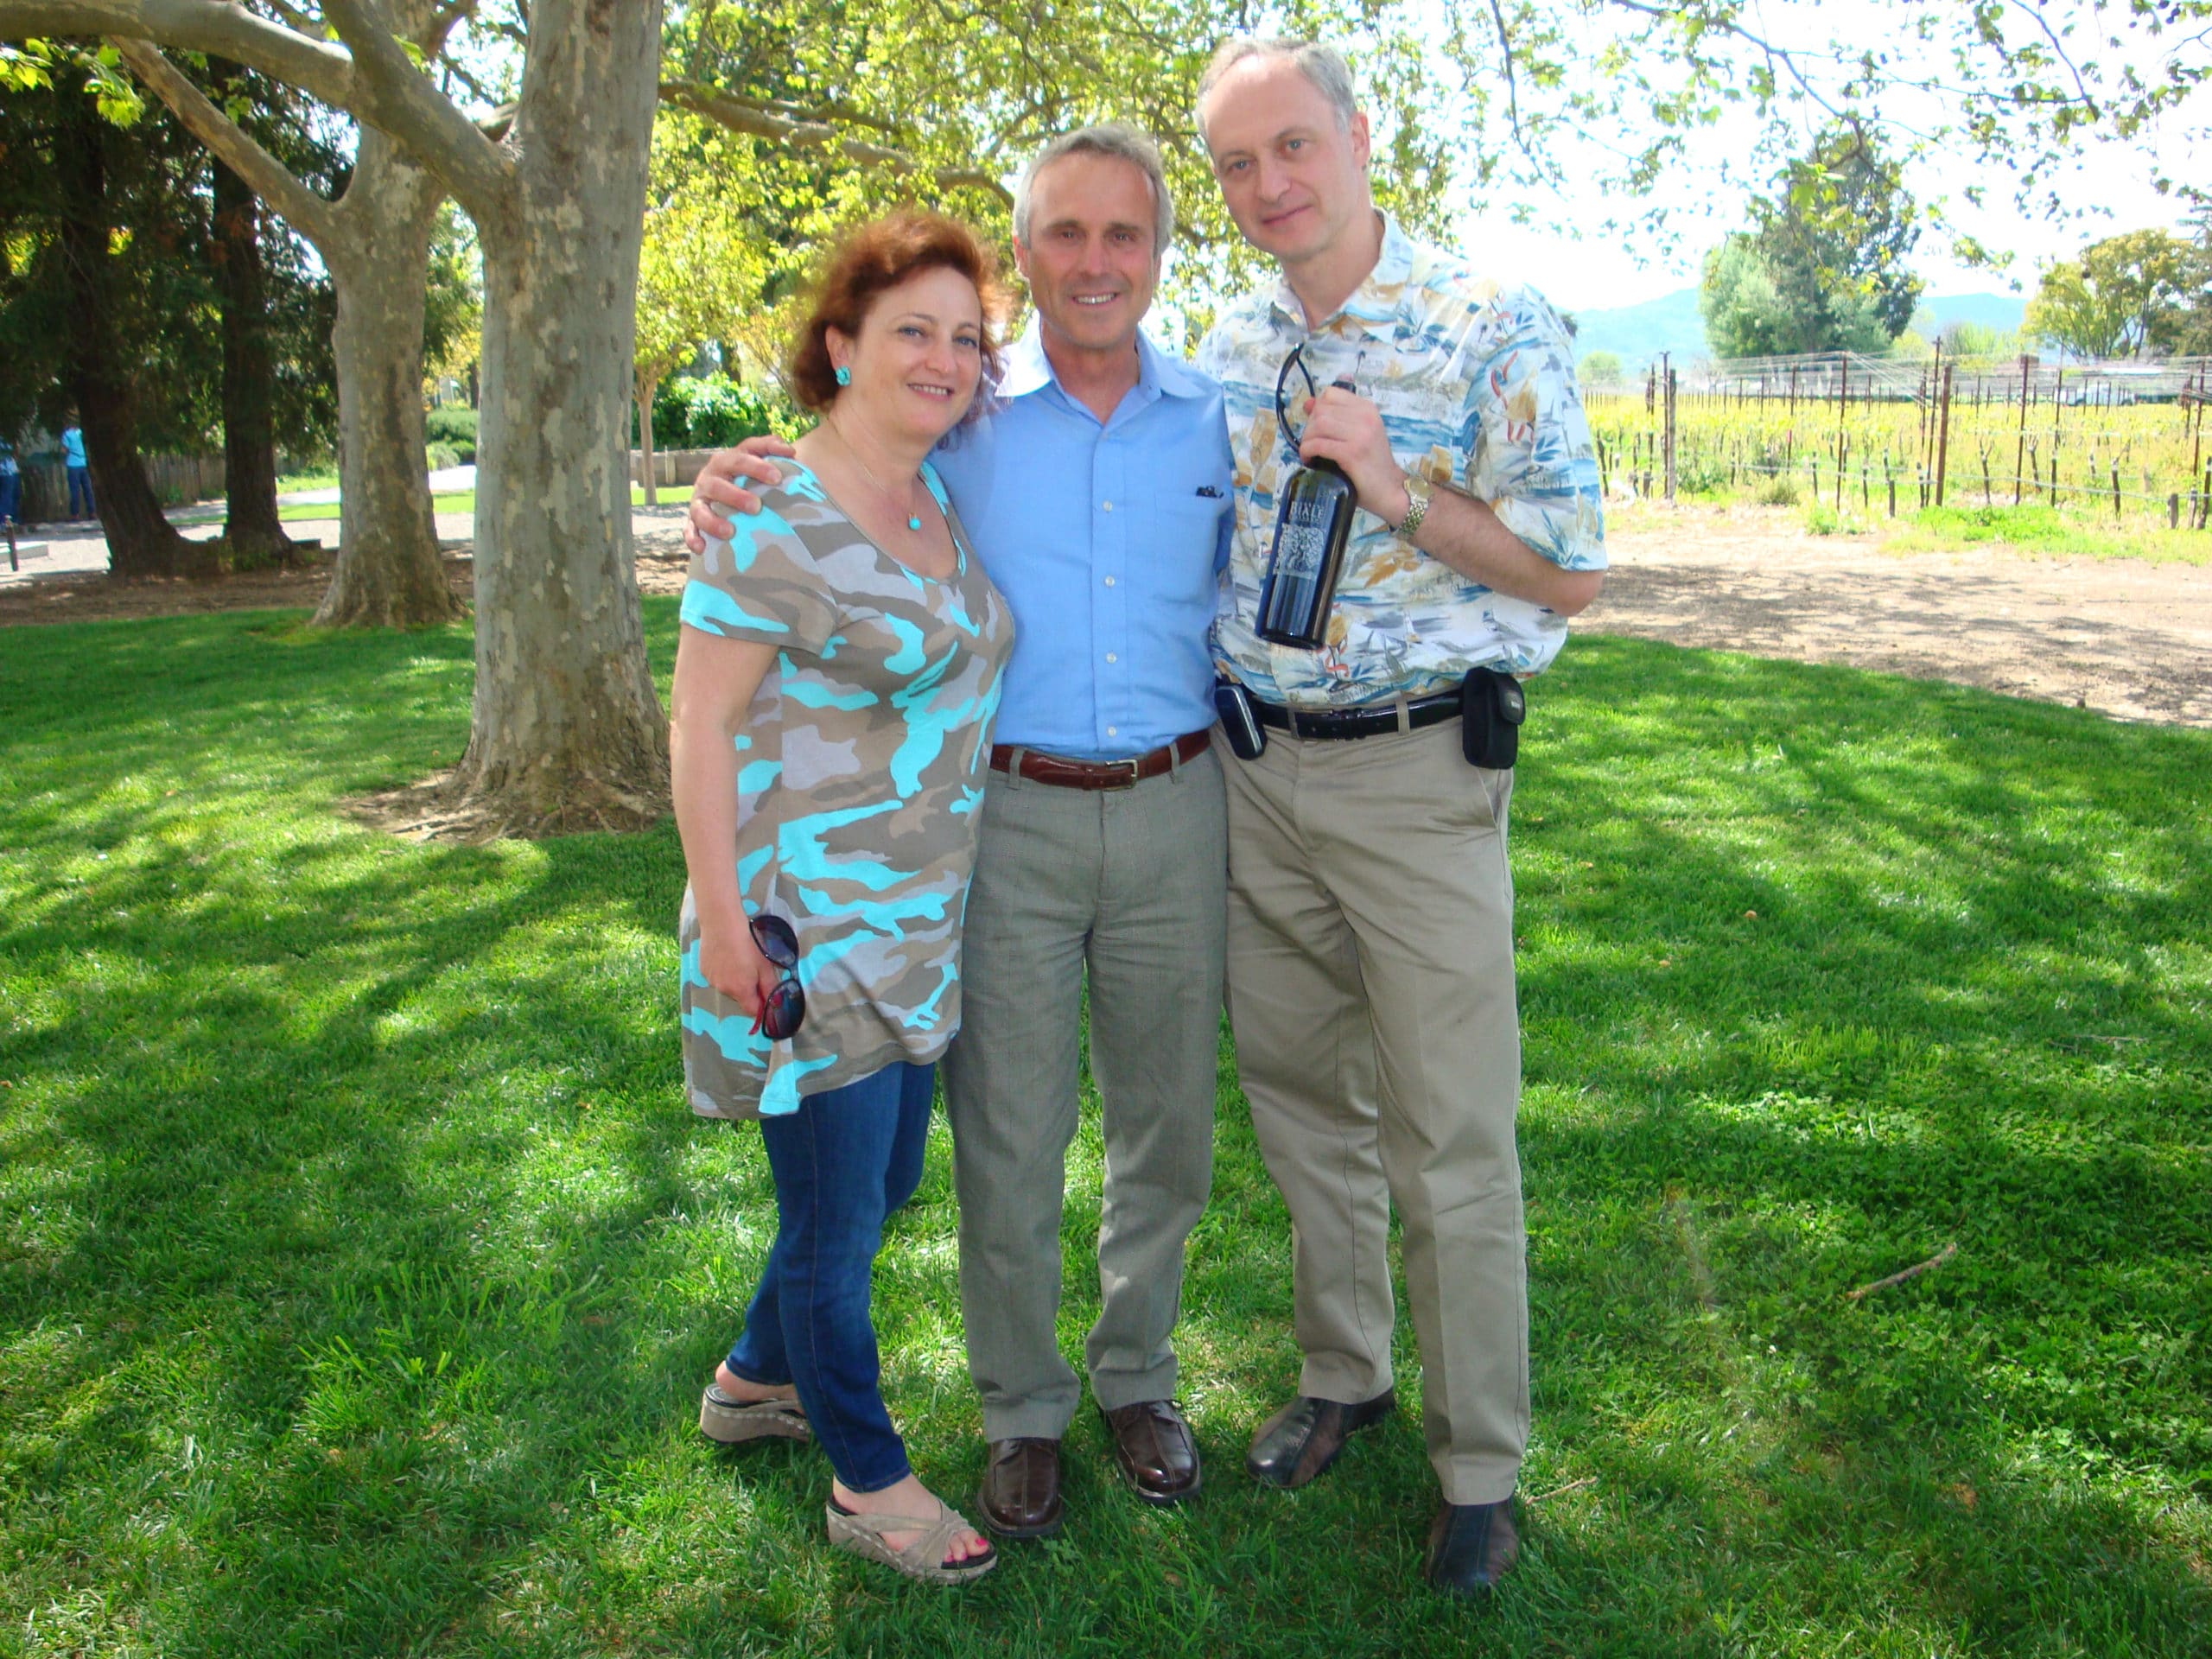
1128,783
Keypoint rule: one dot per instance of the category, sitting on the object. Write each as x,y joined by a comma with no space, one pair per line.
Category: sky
2108,190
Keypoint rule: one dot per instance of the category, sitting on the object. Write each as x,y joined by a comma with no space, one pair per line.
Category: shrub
707,412
1700,477
1598,369
453,426
441,456
1780,491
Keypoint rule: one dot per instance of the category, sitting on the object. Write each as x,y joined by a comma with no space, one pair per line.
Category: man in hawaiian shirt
1370,931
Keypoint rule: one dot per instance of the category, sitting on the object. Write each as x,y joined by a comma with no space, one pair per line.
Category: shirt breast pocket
1186,543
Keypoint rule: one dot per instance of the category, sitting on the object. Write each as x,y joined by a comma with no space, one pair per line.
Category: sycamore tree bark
566,730
375,242
388,573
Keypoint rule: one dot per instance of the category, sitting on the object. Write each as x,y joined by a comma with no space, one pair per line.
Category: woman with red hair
836,677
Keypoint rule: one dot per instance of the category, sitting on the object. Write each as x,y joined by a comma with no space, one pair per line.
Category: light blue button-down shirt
1109,542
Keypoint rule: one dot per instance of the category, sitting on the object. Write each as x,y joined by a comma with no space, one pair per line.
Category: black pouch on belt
1492,708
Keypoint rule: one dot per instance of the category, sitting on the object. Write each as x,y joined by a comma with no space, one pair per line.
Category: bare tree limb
746,116
292,17
268,178
441,27
220,28
398,98
370,77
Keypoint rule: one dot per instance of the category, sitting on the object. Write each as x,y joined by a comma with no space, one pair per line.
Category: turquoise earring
844,376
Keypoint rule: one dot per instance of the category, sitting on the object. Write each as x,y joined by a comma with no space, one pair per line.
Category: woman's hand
732,964
715,489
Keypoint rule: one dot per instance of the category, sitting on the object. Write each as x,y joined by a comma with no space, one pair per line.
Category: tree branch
399,99
220,28
746,116
268,178
1725,24
293,18
371,78
441,27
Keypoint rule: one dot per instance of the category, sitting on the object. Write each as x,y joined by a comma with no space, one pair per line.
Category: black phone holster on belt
1491,708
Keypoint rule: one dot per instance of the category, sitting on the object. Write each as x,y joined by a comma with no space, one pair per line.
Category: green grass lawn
464,501
361,1264
461,501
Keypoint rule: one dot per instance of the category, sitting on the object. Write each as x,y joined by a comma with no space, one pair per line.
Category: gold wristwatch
1417,493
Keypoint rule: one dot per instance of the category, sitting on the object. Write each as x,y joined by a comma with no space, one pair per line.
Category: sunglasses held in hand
784,1009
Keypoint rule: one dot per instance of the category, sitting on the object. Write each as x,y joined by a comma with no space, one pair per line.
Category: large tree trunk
388,573
251,525
567,731
140,541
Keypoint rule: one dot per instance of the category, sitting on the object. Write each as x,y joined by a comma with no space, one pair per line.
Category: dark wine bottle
1313,525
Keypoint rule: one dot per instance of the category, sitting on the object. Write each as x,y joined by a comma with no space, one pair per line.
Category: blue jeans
842,1162
80,485
11,490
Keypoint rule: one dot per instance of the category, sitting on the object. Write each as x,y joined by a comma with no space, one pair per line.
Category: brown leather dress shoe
1471,1548
1020,1497
1303,1438
1154,1448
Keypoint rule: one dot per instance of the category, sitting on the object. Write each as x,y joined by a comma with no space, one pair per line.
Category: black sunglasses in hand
784,1009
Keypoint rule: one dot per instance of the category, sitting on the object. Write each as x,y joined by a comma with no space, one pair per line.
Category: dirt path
2130,638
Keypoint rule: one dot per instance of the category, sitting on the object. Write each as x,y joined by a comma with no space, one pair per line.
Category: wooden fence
178,480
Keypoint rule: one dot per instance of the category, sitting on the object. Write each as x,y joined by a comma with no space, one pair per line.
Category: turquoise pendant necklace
913,519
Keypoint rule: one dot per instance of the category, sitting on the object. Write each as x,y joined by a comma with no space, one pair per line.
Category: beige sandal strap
924,1556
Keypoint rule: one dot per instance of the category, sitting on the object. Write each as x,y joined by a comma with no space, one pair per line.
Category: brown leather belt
1041,768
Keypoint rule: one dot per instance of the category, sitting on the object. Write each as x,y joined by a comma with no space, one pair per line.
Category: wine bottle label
1302,539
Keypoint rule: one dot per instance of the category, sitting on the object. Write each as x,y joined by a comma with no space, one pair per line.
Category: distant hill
2002,312
1637,334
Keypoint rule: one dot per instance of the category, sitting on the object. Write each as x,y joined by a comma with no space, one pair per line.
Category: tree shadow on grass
364,1263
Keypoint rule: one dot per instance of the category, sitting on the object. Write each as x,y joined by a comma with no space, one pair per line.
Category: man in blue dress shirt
1097,496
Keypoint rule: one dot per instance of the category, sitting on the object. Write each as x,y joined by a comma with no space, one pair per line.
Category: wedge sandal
733,1423
923,1560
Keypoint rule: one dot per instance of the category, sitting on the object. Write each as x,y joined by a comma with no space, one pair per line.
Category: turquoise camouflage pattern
860,792
1476,386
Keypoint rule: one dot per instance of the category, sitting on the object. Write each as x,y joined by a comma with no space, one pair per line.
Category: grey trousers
1131,886
1370,987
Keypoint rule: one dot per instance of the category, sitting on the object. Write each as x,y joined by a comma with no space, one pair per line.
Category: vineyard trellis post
2196,451
2020,449
1842,408
1942,433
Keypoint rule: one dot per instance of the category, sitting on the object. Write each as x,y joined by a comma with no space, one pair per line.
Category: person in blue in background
80,474
11,483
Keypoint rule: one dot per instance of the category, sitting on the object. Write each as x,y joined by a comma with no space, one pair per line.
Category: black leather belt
1371,722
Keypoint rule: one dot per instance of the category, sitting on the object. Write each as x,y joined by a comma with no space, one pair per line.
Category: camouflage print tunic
858,786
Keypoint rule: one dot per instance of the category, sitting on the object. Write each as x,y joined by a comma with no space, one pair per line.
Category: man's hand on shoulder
1347,428
716,485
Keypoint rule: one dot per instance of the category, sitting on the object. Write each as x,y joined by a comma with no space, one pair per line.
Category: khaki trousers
1371,989
1125,887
